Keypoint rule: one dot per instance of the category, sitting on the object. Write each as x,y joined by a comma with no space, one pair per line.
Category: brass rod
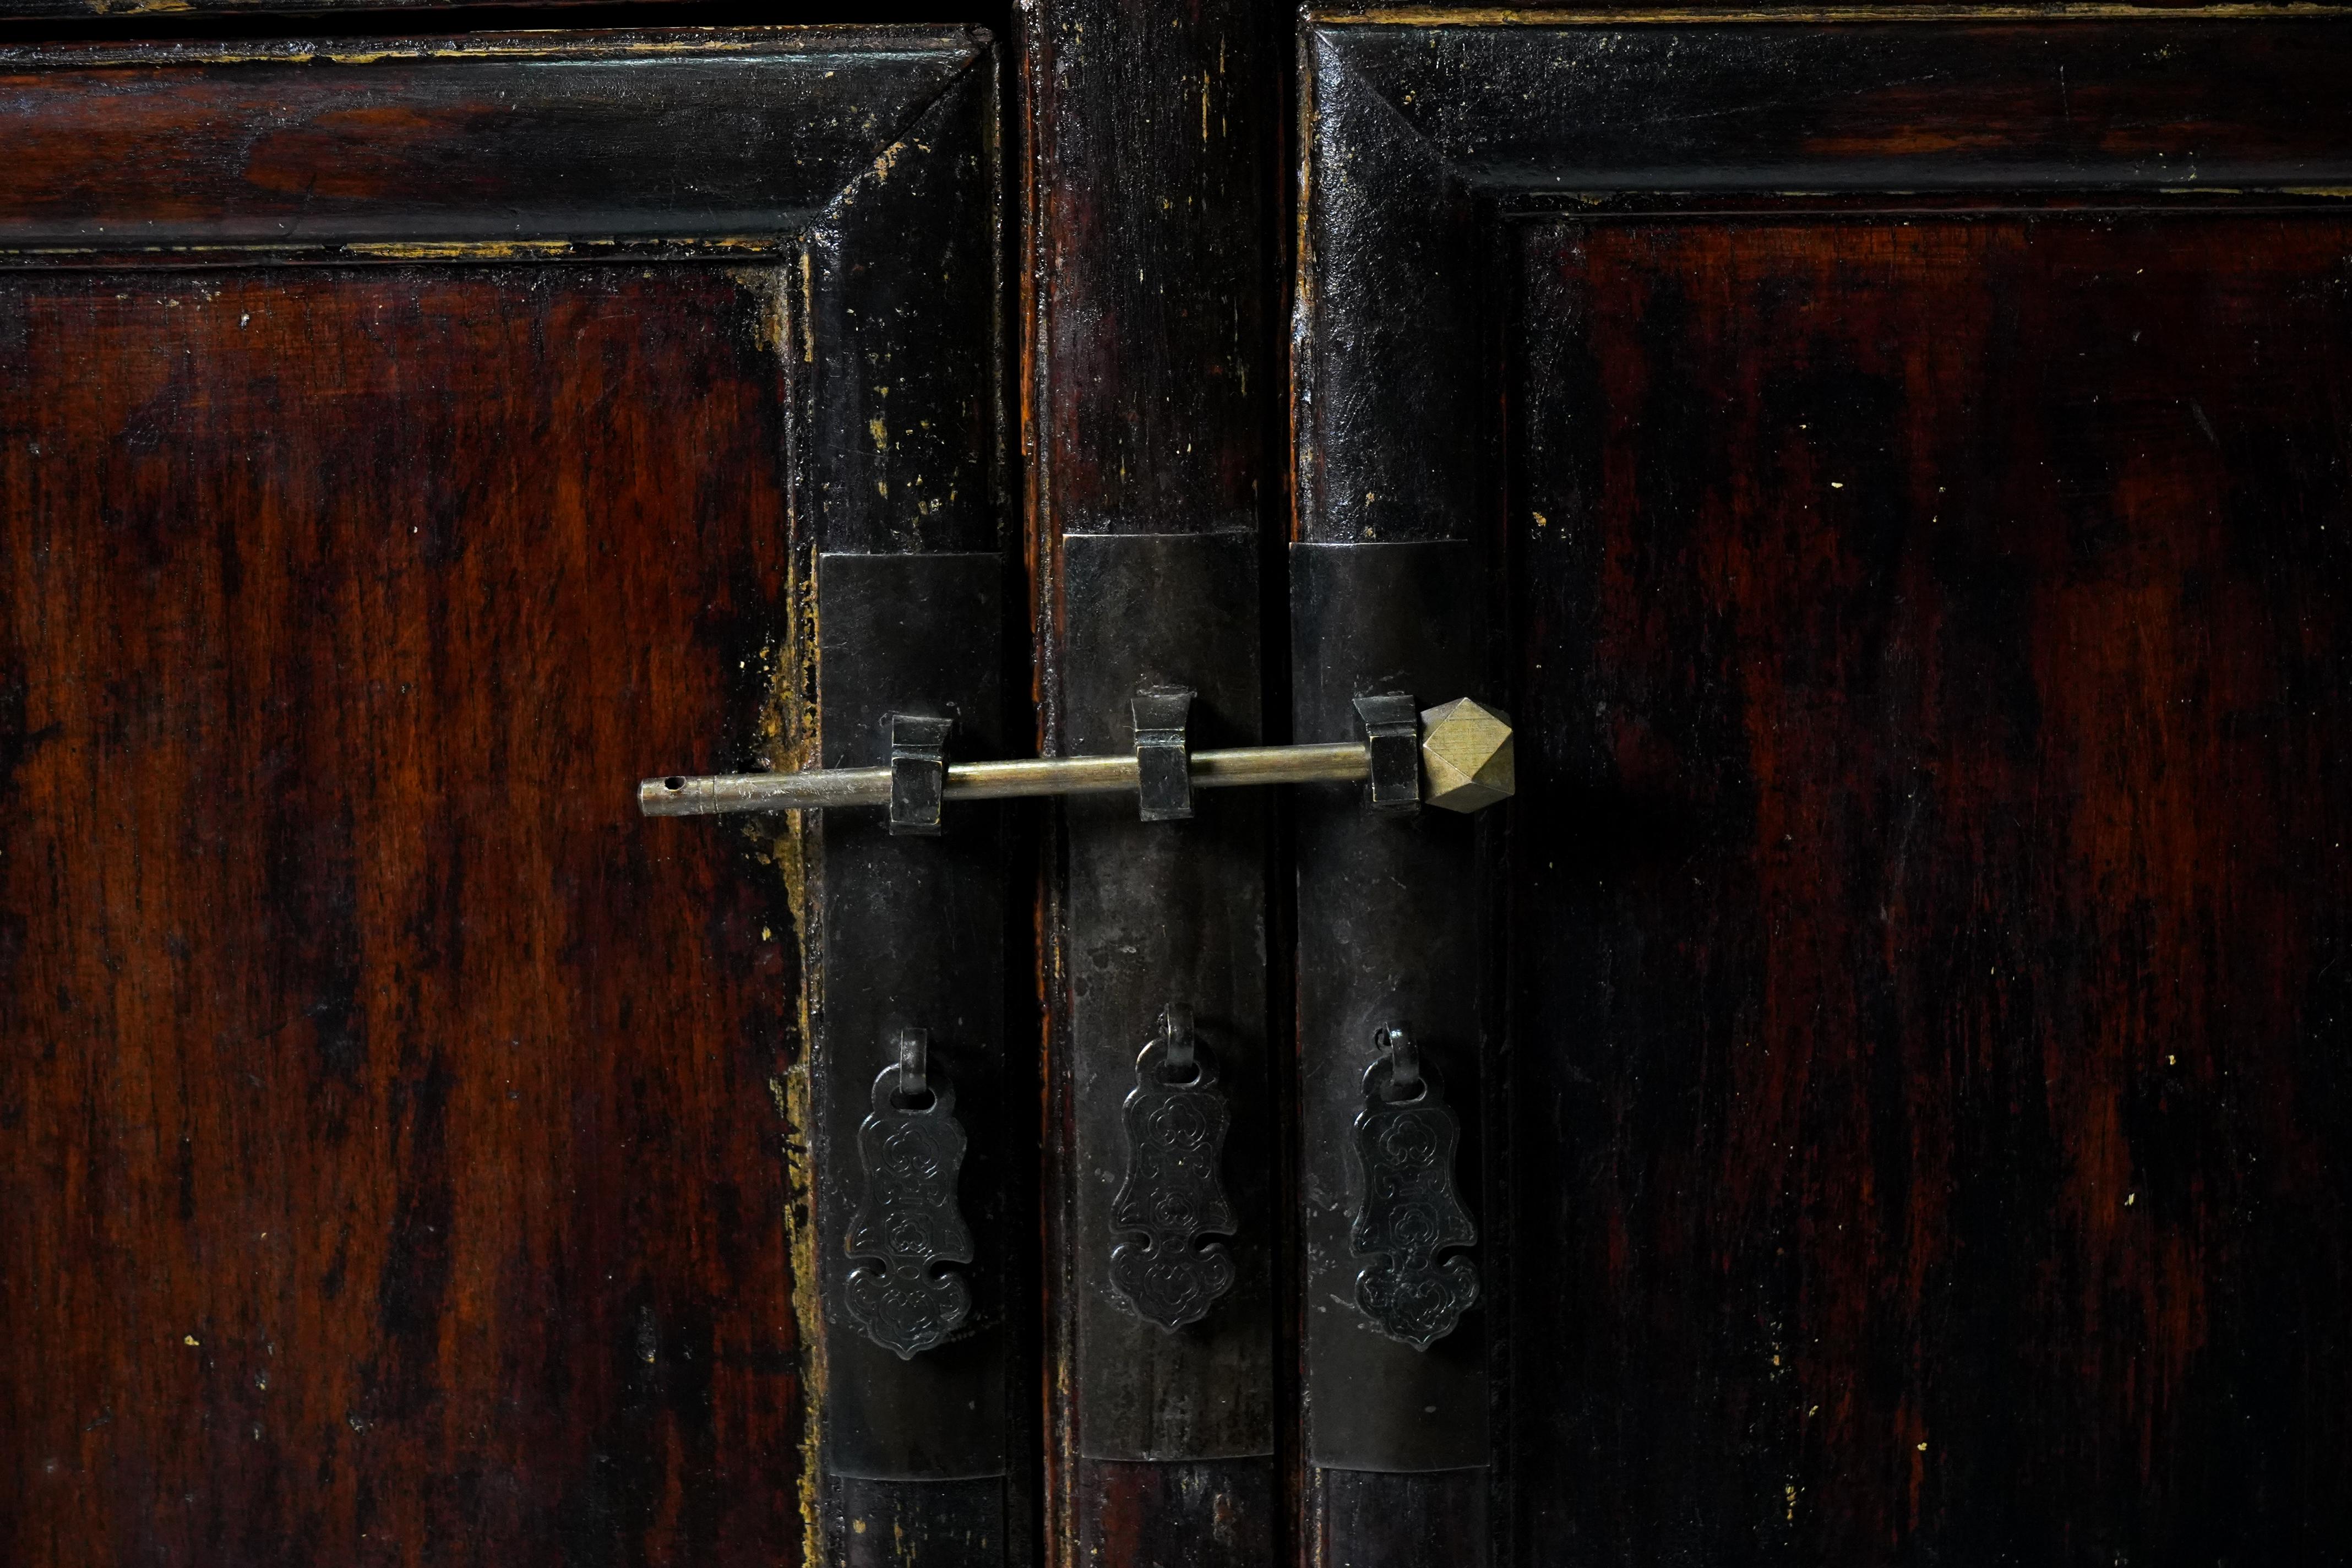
1040,775
1345,763
680,796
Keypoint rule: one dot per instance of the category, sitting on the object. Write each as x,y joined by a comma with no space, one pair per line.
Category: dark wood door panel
1930,884
397,1171
1920,1136
421,1154
1421,131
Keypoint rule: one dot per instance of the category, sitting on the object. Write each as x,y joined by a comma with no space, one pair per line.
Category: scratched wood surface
395,1172
1930,874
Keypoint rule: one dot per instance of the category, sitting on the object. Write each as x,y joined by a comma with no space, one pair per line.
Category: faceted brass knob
1465,756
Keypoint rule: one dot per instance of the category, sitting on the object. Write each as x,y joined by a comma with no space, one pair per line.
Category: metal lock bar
1457,757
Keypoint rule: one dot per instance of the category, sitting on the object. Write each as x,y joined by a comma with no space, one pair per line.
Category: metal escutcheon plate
907,1227
1409,1213
1164,1270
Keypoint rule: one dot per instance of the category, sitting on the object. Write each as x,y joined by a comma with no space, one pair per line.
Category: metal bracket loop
1404,1062
1392,738
1163,766
918,772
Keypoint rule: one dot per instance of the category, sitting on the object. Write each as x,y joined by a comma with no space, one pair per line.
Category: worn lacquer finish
396,1168
1926,874
695,137
1417,135
1933,932
344,604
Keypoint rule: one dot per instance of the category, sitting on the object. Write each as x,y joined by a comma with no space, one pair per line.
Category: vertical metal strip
1389,918
911,935
1161,912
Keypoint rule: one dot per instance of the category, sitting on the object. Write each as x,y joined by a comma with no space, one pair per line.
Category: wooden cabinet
1890,467
409,445
1907,501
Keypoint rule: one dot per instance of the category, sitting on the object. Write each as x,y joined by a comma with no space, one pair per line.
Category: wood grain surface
397,1168
1930,878
1422,133
683,135
345,609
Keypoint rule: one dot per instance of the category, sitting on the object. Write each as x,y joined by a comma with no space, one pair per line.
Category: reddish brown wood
654,138
592,464
1152,132
1931,884
394,1166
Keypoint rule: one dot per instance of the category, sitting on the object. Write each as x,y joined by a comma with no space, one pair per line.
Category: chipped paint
770,328
788,730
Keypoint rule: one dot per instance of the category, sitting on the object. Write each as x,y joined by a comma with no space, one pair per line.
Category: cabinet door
1903,469
404,447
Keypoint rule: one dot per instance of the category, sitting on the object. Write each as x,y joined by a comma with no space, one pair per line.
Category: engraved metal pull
1162,1270
1408,1212
1466,763
911,1147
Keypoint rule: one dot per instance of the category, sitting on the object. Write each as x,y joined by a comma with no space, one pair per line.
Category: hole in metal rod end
675,780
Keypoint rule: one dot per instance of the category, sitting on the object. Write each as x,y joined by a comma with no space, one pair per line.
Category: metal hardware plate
1168,1267
1410,1223
1390,913
910,934
1157,911
906,1227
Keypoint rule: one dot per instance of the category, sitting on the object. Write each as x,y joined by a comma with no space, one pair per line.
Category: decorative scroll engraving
1405,1138
1175,1136
907,1224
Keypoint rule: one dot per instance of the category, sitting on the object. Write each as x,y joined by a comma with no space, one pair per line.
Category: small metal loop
914,1063
1403,1058
1176,1031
